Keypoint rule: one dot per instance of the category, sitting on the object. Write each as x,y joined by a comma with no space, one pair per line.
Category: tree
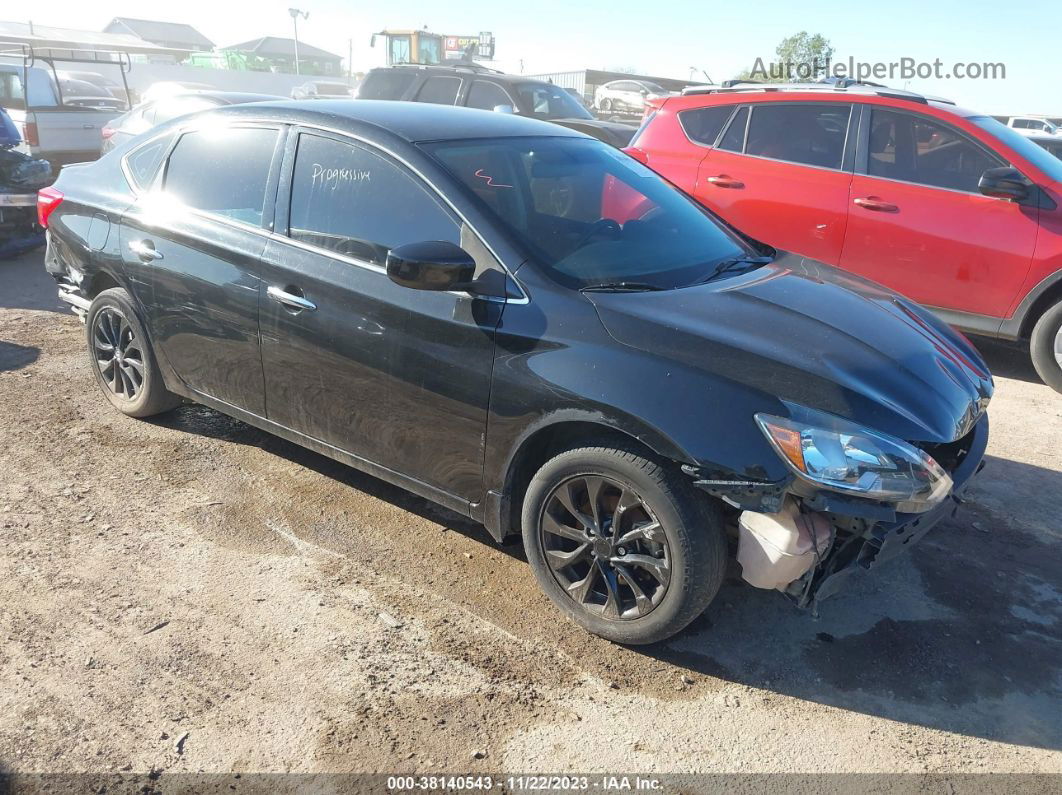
798,58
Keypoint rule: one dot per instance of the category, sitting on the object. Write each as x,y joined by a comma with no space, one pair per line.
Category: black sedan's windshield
591,215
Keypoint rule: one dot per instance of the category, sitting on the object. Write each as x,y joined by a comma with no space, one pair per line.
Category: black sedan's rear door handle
145,250
289,299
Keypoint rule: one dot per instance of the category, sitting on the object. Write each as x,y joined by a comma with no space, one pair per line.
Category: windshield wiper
730,265
631,287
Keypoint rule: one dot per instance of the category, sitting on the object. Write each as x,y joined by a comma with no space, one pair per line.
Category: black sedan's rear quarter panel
83,242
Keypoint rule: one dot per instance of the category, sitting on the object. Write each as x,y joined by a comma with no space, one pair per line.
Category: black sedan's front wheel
122,359
623,545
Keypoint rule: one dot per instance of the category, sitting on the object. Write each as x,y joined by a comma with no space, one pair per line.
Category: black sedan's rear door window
223,172
143,162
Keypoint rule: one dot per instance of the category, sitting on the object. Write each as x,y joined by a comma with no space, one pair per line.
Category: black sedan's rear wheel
622,545
122,359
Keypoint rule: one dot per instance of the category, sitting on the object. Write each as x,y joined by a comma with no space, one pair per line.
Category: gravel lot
191,594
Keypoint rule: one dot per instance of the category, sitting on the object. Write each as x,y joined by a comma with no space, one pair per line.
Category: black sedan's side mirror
431,265
1005,182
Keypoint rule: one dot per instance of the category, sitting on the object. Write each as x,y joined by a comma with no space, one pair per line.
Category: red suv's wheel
1046,347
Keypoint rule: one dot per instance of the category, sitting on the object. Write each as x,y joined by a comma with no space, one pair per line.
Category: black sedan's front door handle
290,299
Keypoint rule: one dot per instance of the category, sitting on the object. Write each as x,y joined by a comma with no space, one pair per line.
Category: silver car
150,114
626,96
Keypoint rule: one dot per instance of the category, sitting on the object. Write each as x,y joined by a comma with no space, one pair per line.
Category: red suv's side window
913,148
703,125
734,137
813,135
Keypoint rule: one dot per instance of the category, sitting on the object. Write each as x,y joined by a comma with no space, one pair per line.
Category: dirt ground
191,594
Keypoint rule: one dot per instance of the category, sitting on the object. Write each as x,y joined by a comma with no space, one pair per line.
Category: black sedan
529,327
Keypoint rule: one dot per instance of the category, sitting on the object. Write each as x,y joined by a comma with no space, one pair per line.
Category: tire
131,381
605,105
683,533
1045,347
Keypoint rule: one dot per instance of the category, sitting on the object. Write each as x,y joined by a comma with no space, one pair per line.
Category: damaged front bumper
863,534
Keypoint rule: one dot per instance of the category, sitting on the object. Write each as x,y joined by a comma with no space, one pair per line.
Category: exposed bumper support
78,303
18,199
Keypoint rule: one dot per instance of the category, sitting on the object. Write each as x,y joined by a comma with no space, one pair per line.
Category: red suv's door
675,150
783,179
918,224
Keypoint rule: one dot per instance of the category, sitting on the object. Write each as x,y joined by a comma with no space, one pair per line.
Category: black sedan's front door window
351,201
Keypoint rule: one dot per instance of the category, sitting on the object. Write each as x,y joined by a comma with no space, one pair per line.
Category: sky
666,39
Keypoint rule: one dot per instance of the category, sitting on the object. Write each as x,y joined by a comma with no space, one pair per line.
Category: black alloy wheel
605,547
622,543
123,360
118,353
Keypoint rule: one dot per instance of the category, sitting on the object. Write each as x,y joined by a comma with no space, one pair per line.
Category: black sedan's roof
233,97
411,121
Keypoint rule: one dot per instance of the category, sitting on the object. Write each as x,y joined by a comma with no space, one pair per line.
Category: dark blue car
20,177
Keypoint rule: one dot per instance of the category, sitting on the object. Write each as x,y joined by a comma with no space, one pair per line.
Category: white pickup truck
1031,125
60,130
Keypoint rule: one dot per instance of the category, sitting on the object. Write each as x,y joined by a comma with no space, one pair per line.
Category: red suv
948,206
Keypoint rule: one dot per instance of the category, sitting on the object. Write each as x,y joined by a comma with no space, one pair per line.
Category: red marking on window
490,180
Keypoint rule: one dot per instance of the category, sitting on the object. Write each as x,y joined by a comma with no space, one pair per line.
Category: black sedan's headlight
842,456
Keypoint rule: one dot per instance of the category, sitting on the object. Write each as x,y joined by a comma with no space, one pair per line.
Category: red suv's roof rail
738,87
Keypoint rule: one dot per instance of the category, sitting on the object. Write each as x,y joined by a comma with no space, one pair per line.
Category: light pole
295,14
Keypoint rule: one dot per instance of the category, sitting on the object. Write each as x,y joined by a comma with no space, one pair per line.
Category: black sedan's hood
611,132
808,333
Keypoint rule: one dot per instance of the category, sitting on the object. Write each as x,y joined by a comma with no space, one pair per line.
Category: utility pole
295,14
350,59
